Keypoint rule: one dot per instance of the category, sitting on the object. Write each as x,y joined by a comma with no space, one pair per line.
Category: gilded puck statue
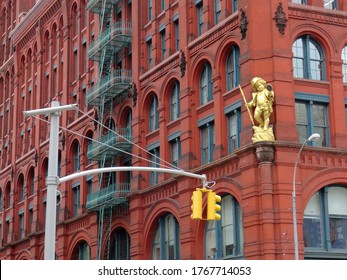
262,101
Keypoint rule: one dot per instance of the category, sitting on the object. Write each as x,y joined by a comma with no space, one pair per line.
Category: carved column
265,157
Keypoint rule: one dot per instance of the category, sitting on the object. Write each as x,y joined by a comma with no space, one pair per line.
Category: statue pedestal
262,135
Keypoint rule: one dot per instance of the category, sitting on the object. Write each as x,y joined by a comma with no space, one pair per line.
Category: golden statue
262,99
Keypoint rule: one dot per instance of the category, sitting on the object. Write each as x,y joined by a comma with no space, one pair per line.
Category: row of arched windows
28,185
309,62
51,77
324,232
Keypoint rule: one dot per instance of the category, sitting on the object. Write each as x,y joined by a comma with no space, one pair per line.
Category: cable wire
127,140
101,143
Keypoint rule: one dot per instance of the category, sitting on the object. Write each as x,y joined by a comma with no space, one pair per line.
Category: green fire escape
113,86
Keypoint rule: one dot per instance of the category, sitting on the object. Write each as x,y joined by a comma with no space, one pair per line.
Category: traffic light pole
52,180
52,177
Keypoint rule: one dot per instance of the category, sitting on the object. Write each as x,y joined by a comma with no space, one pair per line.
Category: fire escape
113,87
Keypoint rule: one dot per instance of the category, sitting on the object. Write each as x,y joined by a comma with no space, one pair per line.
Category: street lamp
314,137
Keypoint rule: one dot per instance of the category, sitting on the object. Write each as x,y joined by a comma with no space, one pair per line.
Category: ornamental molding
280,18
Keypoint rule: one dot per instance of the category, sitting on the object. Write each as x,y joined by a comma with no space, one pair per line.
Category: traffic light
197,204
212,206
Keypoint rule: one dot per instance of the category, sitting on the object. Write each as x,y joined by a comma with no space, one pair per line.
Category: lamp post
314,137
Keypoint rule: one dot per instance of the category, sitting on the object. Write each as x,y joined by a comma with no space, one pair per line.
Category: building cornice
41,10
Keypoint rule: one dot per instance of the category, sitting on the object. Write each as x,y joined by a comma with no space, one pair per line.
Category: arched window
153,114
47,54
76,156
74,20
31,182
166,243
120,245
29,62
8,196
83,14
88,146
224,238
128,121
308,59
344,63
232,68
206,84
21,188
175,102
54,40
325,223
81,251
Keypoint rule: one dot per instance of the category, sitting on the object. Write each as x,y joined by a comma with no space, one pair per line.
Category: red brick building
156,83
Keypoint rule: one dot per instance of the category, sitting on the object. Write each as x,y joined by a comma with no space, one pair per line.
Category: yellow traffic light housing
197,204
213,207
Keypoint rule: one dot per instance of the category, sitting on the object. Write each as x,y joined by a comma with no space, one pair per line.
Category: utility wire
101,143
129,141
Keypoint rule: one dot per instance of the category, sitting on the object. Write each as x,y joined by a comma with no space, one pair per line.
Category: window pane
337,200
315,62
312,232
204,144
298,67
315,67
210,242
344,65
228,215
319,115
337,197
330,4
233,131
338,232
231,70
156,245
320,125
312,223
203,87
301,121
170,223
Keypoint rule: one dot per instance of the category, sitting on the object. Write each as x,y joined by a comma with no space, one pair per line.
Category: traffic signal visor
196,205
213,207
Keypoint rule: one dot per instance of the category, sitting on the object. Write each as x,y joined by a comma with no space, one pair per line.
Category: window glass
156,246
308,59
320,125
298,59
170,237
203,87
224,238
315,62
344,64
325,220
166,239
204,144
301,121
174,102
330,4
210,240
312,223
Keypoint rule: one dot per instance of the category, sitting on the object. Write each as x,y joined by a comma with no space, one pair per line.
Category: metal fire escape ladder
104,232
110,195
105,212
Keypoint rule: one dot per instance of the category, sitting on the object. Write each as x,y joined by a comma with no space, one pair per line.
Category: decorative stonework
243,24
280,18
264,151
